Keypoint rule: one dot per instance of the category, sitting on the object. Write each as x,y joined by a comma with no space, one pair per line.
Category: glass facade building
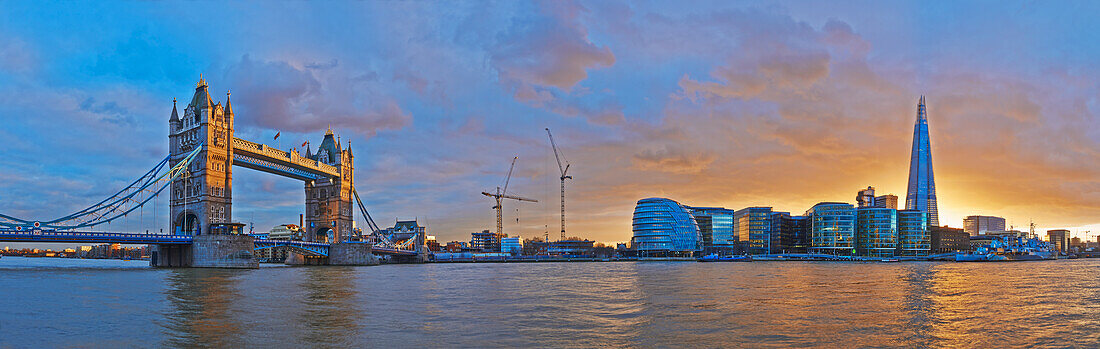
922,183
793,232
754,230
979,225
832,228
913,237
716,229
876,232
663,227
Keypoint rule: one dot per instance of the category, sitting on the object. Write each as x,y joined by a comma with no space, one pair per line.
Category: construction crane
502,194
564,175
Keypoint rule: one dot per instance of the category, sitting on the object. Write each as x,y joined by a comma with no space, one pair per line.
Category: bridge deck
317,248
262,157
8,235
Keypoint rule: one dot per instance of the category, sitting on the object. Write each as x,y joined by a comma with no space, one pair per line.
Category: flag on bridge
304,143
277,135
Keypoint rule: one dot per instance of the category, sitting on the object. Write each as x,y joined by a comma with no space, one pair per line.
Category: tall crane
564,175
502,194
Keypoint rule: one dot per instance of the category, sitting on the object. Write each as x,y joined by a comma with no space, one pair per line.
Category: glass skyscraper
664,227
922,184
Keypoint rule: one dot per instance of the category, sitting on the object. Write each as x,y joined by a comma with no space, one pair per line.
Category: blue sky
721,103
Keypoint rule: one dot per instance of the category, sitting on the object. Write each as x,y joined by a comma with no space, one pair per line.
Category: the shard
922,182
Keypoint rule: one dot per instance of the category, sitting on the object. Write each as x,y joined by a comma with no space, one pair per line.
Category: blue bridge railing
12,235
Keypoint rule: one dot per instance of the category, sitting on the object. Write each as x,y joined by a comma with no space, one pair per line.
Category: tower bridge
198,173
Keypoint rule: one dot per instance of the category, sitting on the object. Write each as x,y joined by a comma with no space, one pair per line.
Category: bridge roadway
311,248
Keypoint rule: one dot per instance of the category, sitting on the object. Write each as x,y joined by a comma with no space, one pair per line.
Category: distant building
1059,238
887,201
716,229
833,228
979,225
663,227
285,232
572,248
456,246
866,197
754,230
876,231
511,245
404,230
536,247
946,239
432,244
1076,243
913,238
485,241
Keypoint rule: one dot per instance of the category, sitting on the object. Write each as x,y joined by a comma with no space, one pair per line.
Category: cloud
552,49
108,111
16,56
282,96
677,161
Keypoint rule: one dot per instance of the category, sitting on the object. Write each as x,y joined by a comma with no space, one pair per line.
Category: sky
725,103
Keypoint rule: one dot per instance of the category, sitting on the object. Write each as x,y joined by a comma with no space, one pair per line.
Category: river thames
109,303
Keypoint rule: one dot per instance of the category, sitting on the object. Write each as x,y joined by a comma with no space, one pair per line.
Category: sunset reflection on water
627,304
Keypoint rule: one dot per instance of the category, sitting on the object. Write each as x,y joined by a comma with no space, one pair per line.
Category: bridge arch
186,223
324,234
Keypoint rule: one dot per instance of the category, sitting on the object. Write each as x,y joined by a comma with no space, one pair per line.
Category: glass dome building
663,227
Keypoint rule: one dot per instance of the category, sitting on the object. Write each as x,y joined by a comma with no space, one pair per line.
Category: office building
793,232
1059,239
980,225
866,197
485,241
876,231
922,182
754,230
432,244
913,238
663,227
511,245
887,201
832,226
1076,243
946,240
716,229
571,248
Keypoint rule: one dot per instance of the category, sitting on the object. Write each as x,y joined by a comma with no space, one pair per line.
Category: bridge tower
204,194
328,200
